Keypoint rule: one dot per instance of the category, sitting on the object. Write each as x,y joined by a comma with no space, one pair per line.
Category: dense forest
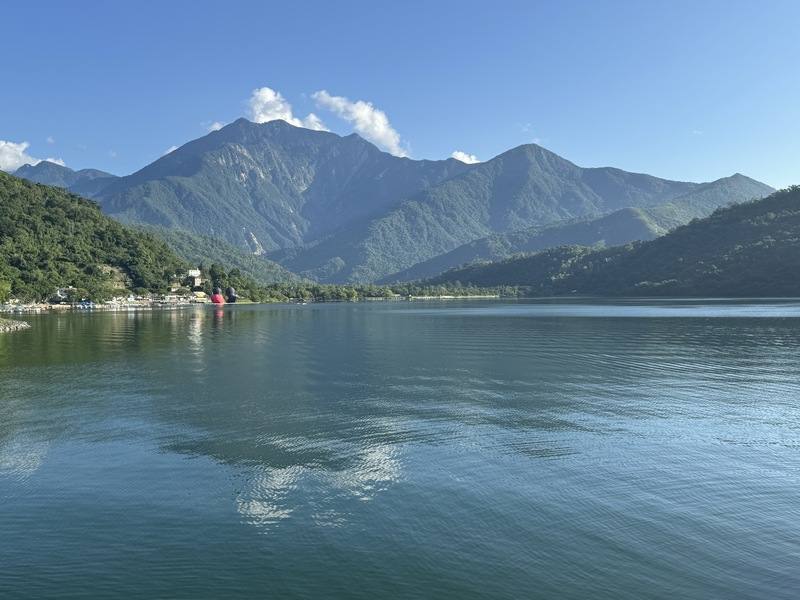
217,276
750,249
52,239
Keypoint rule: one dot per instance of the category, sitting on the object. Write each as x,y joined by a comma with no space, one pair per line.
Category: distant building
64,294
195,278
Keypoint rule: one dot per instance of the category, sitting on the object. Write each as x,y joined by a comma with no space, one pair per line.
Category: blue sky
691,90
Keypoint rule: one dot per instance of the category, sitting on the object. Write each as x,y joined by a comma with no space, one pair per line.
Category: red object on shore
217,299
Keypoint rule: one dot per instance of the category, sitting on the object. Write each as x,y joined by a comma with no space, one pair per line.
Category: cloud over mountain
470,159
367,120
14,154
266,105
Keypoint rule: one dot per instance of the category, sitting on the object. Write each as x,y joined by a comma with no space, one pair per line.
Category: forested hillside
50,238
206,250
750,249
620,227
527,186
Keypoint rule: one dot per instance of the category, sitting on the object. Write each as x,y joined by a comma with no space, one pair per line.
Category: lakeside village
186,289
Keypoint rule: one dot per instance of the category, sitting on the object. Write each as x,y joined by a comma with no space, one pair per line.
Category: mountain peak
47,172
740,177
86,182
43,165
276,124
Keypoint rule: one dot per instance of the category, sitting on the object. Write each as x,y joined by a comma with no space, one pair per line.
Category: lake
461,449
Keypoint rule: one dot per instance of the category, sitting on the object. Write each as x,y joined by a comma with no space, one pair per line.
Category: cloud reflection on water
272,495
21,457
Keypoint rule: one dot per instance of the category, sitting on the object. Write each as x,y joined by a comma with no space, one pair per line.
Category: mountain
337,209
193,248
50,238
620,227
524,187
749,249
86,182
270,186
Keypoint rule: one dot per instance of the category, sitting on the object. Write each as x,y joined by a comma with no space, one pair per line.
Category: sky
688,90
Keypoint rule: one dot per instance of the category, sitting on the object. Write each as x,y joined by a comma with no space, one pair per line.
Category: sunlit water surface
404,450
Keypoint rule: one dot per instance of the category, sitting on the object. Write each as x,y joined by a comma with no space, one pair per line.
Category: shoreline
39,308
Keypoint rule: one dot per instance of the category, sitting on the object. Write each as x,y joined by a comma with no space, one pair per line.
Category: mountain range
617,228
337,209
746,250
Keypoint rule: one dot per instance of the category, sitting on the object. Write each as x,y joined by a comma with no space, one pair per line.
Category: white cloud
470,159
50,139
370,122
170,149
13,155
312,121
267,105
58,161
216,126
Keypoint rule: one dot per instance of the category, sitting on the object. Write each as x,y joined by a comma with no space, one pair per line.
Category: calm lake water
404,450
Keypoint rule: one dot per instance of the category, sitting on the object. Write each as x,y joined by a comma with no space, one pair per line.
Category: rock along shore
7,325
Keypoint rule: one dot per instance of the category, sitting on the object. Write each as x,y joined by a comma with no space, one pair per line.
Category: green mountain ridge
619,227
338,210
748,249
269,186
526,186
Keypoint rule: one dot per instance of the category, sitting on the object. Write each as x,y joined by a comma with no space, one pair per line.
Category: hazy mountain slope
750,249
524,187
269,186
50,238
198,249
83,182
619,227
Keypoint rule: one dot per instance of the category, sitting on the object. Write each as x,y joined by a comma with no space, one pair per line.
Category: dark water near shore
404,450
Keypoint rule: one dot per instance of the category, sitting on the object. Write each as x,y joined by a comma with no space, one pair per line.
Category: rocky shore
7,325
